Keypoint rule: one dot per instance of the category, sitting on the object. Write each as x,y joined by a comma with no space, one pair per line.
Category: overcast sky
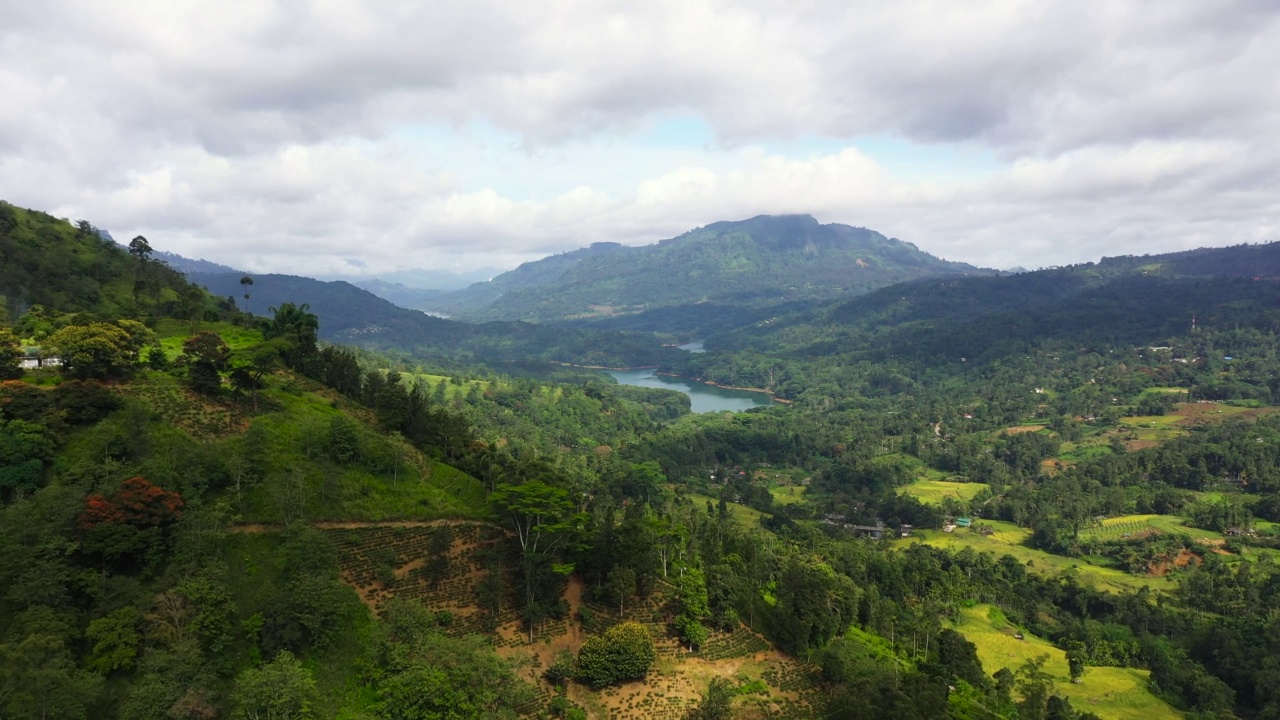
330,136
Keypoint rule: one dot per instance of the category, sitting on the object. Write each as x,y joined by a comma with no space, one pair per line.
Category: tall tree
246,282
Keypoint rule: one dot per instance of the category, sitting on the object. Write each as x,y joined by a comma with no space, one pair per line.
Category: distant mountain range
1120,301
761,262
352,315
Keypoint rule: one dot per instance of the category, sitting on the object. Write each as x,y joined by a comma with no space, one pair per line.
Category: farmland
1009,539
1112,693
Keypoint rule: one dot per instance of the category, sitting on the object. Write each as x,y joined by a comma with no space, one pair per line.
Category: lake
704,397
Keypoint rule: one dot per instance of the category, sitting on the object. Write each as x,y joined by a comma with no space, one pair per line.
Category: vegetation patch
1109,692
934,492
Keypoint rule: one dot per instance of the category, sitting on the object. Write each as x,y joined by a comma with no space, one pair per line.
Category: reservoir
704,397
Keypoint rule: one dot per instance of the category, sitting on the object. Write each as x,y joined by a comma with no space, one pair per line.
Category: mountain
755,263
424,278
349,314
942,325
186,265
402,295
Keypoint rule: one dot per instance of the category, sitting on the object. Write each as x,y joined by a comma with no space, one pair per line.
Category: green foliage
280,690
716,702
39,679
624,652
426,674
10,354
25,448
115,640
66,268
206,356
96,350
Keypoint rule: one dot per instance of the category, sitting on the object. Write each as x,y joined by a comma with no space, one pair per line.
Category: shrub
624,652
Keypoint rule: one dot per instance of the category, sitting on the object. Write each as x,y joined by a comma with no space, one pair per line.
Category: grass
787,495
741,514
171,333
451,390
932,492
1009,539
1112,693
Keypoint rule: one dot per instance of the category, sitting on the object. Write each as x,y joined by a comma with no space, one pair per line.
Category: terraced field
386,560
933,492
1009,539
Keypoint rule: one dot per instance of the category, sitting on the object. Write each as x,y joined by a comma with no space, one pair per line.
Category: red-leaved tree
137,503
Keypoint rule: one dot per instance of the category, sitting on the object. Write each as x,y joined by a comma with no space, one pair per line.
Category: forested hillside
758,262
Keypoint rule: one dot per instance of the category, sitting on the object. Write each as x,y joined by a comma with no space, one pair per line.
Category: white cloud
279,135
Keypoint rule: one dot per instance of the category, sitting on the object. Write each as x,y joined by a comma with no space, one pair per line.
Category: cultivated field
1111,693
1009,539
934,492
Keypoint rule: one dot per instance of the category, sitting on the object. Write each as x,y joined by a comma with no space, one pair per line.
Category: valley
960,509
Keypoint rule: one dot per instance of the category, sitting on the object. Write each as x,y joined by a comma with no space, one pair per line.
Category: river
704,397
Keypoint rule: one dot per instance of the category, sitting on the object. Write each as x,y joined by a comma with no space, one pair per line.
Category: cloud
278,135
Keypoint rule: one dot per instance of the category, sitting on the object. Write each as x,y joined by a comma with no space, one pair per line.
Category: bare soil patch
1019,429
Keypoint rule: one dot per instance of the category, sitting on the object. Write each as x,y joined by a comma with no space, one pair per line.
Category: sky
326,137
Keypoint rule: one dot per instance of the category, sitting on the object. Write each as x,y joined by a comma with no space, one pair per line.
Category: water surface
704,397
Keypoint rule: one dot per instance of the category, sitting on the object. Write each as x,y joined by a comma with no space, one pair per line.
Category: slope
949,320
66,268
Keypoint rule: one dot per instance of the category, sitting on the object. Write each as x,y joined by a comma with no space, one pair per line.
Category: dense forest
1045,495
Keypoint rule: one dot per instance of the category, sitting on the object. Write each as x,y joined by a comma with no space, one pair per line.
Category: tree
695,608
280,690
206,355
717,702
959,659
10,355
115,640
621,585
140,248
24,449
624,652
95,350
298,327
1076,656
39,679
542,518
246,282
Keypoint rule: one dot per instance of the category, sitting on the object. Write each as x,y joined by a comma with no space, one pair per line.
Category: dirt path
254,528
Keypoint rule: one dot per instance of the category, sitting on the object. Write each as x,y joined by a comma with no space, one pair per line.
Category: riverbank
762,391
603,367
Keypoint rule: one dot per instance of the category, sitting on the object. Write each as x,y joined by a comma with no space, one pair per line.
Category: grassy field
933,492
1113,693
787,495
741,514
1009,539
450,390
171,333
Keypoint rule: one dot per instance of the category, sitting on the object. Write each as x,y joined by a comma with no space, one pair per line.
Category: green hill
758,262
74,268
950,321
